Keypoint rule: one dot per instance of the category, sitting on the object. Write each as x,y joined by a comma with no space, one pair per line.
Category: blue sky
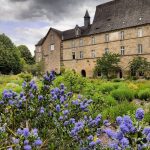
26,21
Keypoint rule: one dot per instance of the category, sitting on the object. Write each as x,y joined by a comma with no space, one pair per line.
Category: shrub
144,94
123,94
25,76
119,110
107,88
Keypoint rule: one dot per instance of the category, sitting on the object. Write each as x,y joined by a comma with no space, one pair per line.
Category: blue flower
42,110
119,135
98,141
72,120
40,97
148,137
10,148
26,142
124,143
62,99
65,112
35,132
58,108
119,120
26,132
106,123
75,102
15,141
124,128
139,114
61,118
114,146
110,133
90,138
92,144
19,131
62,86
146,131
66,123
27,147
38,142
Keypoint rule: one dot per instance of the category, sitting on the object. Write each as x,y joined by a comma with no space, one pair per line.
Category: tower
86,19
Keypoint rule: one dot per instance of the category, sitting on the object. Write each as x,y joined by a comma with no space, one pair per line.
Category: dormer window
77,31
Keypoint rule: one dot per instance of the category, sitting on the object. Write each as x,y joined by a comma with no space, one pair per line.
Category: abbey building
119,26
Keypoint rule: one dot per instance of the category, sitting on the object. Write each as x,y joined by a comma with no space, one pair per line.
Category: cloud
26,21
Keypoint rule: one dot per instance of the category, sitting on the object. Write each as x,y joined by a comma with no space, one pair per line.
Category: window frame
122,50
140,48
139,32
81,55
51,47
106,50
121,35
93,40
73,55
107,37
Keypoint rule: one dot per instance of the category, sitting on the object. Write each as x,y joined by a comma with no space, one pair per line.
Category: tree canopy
139,66
26,54
107,64
9,56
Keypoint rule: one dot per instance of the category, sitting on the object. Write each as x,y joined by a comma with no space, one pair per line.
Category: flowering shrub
53,118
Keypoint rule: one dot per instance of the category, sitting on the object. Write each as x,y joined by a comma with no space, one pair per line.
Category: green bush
144,94
119,110
110,100
123,94
107,88
25,76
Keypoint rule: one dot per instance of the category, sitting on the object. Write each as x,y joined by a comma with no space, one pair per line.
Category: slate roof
120,14
114,15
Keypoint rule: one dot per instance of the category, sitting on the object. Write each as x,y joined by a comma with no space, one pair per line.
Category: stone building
119,26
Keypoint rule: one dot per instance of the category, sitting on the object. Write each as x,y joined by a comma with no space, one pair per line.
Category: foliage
118,110
139,65
144,94
26,77
9,56
26,54
50,117
107,64
123,94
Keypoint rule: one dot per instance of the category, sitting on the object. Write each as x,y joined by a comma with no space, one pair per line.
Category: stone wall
130,42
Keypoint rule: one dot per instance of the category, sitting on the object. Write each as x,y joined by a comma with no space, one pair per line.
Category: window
106,50
52,47
106,37
93,40
140,32
81,54
81,42
122,35
140,48
122,50
77,32
73,43
73,55
93,54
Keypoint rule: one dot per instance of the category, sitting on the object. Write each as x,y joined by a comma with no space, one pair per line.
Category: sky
27,21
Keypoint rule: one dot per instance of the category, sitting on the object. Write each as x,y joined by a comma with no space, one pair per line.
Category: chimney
86,19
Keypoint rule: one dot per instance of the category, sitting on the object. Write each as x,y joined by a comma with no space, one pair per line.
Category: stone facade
128,42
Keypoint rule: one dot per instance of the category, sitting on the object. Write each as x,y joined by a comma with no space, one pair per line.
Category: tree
26,54
107,64
139,66
9,56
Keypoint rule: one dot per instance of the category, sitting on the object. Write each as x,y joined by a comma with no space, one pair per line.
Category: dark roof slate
120,14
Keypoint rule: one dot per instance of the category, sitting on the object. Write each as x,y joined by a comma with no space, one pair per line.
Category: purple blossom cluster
27,139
